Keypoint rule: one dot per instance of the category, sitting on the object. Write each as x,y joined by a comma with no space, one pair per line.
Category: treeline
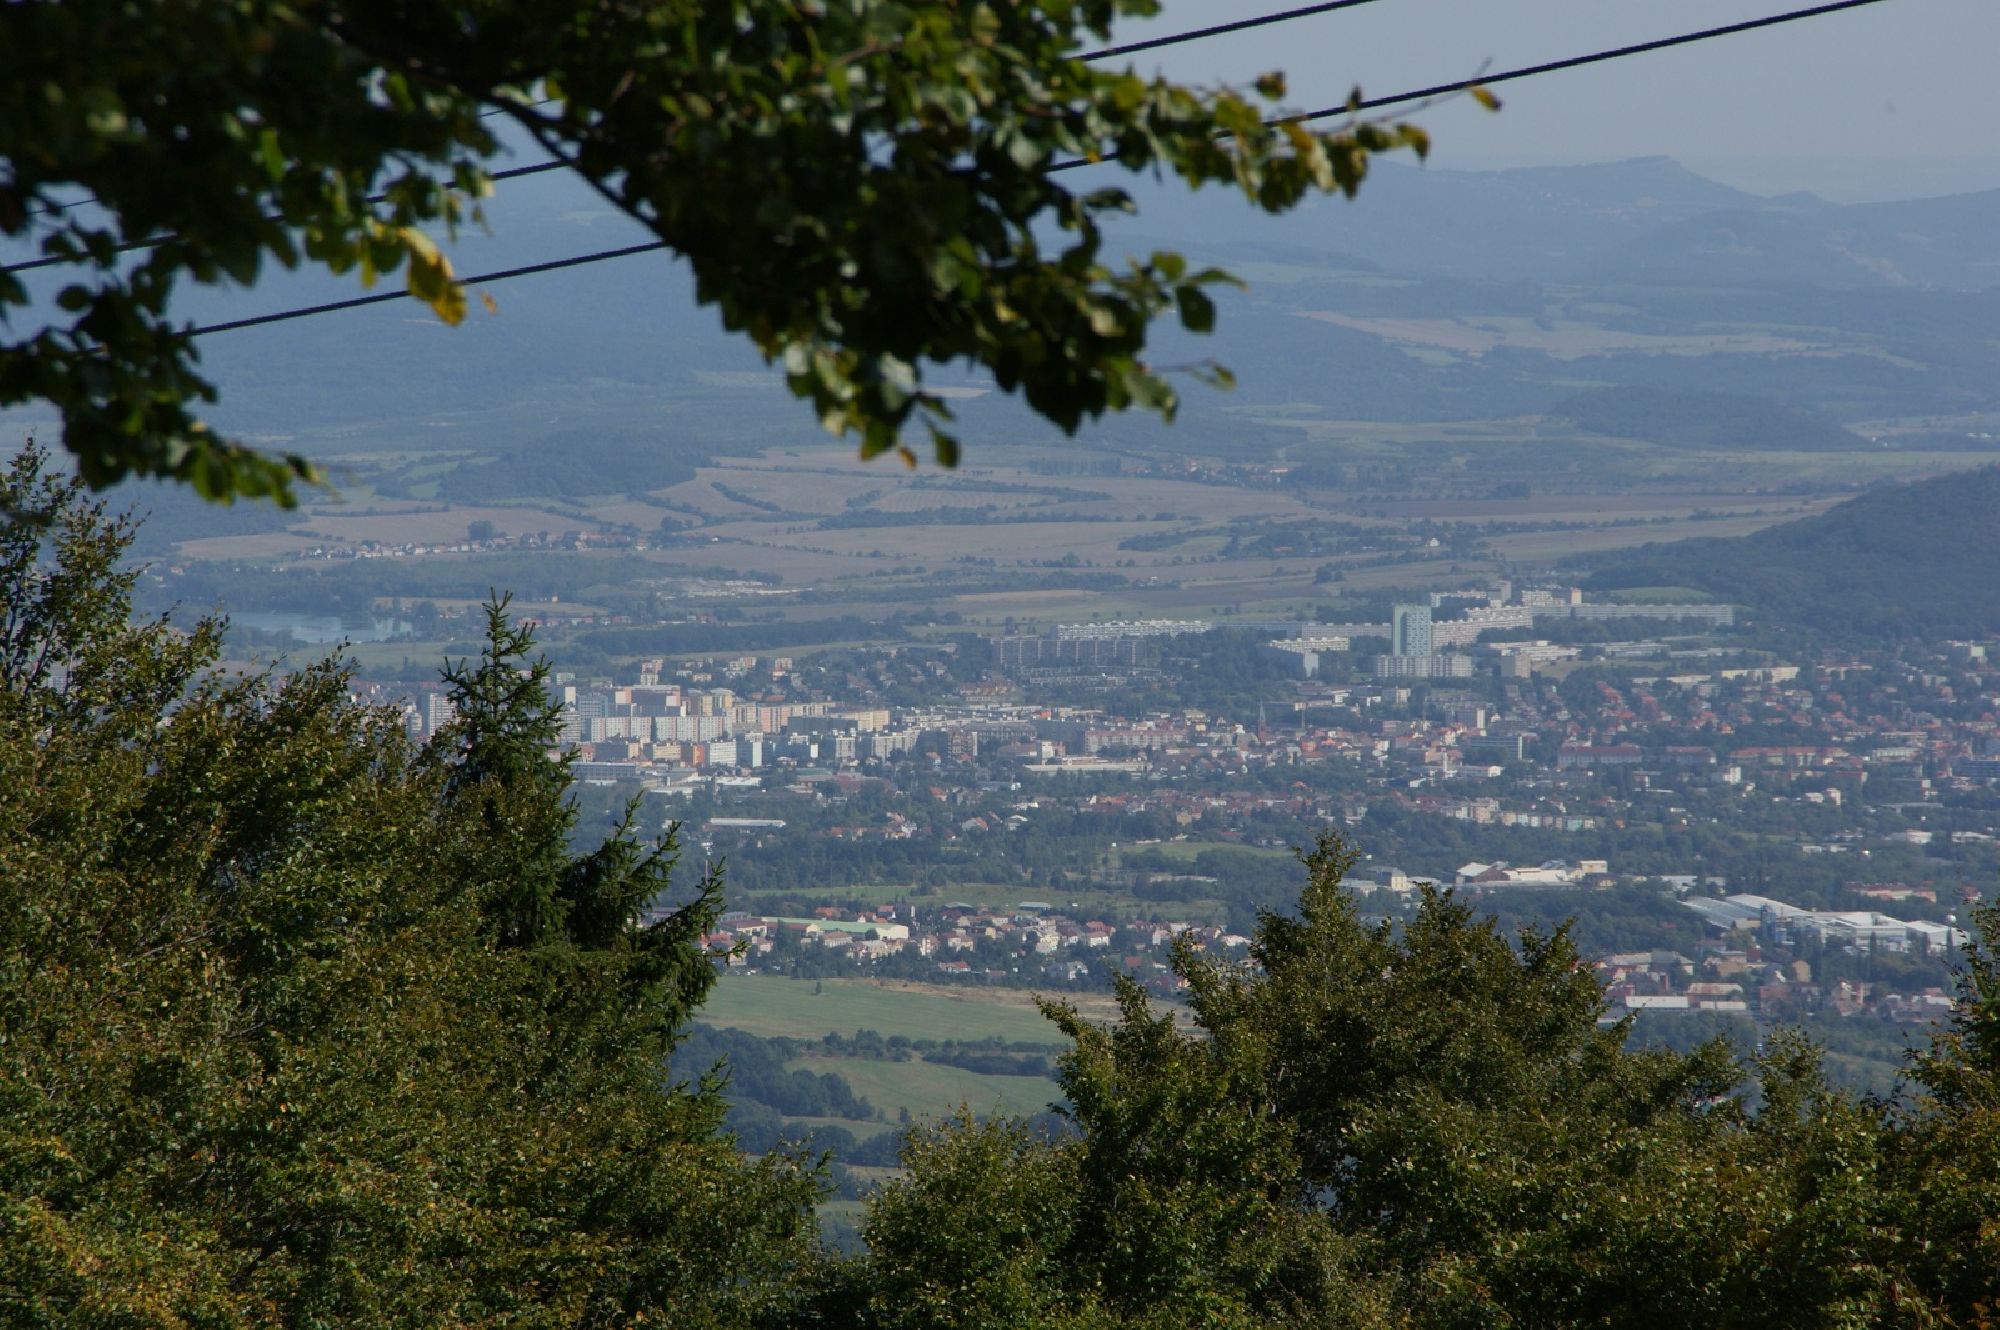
1245,881
1704,420
357,587
305,1023
985,514
757,1073
1578,632
763,1091
1057,840
1430,1127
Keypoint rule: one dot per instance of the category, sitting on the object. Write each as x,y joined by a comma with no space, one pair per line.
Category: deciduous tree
861,187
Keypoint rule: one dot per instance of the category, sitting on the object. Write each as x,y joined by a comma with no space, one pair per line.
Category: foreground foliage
1433,1128
859,187
303,1025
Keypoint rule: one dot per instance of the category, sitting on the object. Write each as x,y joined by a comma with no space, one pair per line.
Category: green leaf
945,448
431,280
1197,310
271,153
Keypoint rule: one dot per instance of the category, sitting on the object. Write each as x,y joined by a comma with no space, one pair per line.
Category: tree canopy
1436,1126
303,1024
861,187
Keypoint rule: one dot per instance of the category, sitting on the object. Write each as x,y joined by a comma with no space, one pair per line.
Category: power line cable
1218,29
1534,71
1418,94
1577,62
384,297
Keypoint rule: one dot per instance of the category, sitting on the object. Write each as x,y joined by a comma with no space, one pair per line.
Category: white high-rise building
1410,631
439,711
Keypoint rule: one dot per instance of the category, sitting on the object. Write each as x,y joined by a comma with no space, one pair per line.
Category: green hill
1899,561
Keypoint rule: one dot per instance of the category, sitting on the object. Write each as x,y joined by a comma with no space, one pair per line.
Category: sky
1897,100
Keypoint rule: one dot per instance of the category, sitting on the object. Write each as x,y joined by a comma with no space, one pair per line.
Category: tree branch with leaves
866,190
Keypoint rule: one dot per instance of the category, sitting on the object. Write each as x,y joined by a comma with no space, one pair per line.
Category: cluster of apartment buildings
1424,645
1838,727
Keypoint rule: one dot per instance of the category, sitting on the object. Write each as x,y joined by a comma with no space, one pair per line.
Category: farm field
1477,335
767,1005
1188,851
931,1089
773,503
1014,540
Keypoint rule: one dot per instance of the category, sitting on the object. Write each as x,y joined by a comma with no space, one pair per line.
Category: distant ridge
1945,244
1646,220
1920,559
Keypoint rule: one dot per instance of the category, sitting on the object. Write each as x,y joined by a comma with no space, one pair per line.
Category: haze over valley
1468,392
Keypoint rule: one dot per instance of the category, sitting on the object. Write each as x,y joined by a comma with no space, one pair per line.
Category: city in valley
1737,837
960,740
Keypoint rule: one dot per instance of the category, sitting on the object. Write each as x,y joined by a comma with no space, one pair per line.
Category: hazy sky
1893,100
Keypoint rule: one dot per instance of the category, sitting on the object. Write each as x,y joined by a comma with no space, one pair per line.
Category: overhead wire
1360,105
1579,61
384,297
1352,107
1219,29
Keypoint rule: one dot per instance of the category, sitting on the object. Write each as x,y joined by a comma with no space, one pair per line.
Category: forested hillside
1897,561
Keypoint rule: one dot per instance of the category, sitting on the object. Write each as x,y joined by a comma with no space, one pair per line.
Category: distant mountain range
1899,561
1647,220
1434,295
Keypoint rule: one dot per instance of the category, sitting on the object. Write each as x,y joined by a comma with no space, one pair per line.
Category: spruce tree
1437,1126
303,1024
